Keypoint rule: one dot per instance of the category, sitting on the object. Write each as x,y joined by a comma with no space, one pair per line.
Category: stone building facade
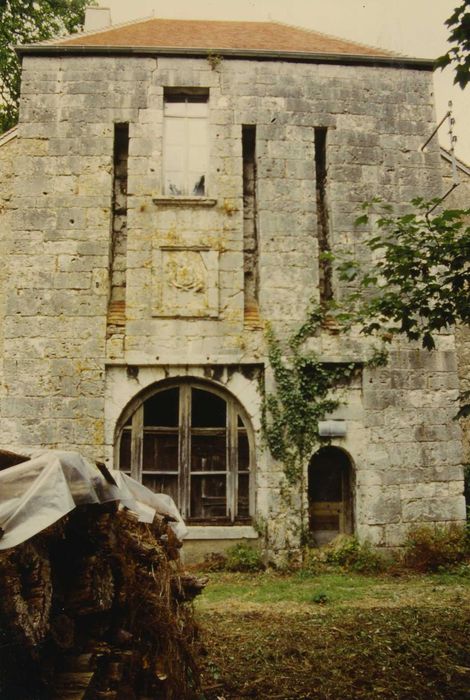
169,202
457,183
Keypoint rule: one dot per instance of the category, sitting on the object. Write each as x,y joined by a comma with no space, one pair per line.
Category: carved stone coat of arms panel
185,282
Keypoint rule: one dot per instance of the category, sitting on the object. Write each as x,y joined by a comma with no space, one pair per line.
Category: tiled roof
213,35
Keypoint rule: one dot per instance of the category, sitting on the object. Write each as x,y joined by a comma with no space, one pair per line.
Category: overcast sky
412,27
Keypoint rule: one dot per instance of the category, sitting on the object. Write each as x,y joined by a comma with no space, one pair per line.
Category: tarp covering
37,493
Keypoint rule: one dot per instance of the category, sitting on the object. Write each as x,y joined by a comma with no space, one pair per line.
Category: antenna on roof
452,141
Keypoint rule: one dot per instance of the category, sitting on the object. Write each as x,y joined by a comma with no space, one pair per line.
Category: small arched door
330,494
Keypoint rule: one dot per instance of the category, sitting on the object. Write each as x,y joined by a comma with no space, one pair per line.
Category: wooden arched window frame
195,443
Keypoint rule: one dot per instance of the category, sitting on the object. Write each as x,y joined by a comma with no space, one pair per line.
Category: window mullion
232,461
251,477
137,441
185,449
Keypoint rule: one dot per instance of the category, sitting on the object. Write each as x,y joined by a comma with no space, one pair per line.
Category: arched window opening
194,444
330,494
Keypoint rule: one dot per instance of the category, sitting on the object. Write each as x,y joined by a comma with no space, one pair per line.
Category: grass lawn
335,636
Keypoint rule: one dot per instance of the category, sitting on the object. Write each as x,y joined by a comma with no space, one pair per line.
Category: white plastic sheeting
37,493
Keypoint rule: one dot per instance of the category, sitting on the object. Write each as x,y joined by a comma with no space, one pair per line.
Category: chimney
97,18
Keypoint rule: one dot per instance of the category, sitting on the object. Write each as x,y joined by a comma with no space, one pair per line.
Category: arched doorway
330,494
191,440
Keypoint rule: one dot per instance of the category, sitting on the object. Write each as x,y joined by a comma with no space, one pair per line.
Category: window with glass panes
185,143
195,445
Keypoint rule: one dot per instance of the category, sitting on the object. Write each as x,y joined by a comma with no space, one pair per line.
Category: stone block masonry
9,153
187,264
460,199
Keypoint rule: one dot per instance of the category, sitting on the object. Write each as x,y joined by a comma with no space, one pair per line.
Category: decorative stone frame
185,282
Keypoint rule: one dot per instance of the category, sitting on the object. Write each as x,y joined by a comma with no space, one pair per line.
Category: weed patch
241,557
348,553
433,548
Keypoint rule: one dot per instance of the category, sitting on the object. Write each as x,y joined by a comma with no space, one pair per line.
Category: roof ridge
213,21
335,36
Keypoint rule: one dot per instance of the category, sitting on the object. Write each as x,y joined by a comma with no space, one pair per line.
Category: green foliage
459,54
357,556
320,598
418,282
241,557
342,587
378,358
302,397
426,549
271,587
25,22
429,548
350,554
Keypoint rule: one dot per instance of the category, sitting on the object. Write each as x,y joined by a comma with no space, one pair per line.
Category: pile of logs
97,607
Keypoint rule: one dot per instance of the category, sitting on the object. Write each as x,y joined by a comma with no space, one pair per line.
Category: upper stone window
194,443
185,142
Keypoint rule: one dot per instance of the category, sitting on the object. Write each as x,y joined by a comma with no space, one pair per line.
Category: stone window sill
185,201
221,532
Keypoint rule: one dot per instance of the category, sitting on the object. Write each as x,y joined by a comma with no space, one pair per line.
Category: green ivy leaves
417,279
459,53
26,22
302,396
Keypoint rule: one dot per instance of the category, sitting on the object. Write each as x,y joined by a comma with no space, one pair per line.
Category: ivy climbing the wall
303,395
302,398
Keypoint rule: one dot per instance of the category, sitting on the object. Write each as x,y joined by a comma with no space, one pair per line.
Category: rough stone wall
185,272
460,199
8,153
373,146
58,254
412,471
